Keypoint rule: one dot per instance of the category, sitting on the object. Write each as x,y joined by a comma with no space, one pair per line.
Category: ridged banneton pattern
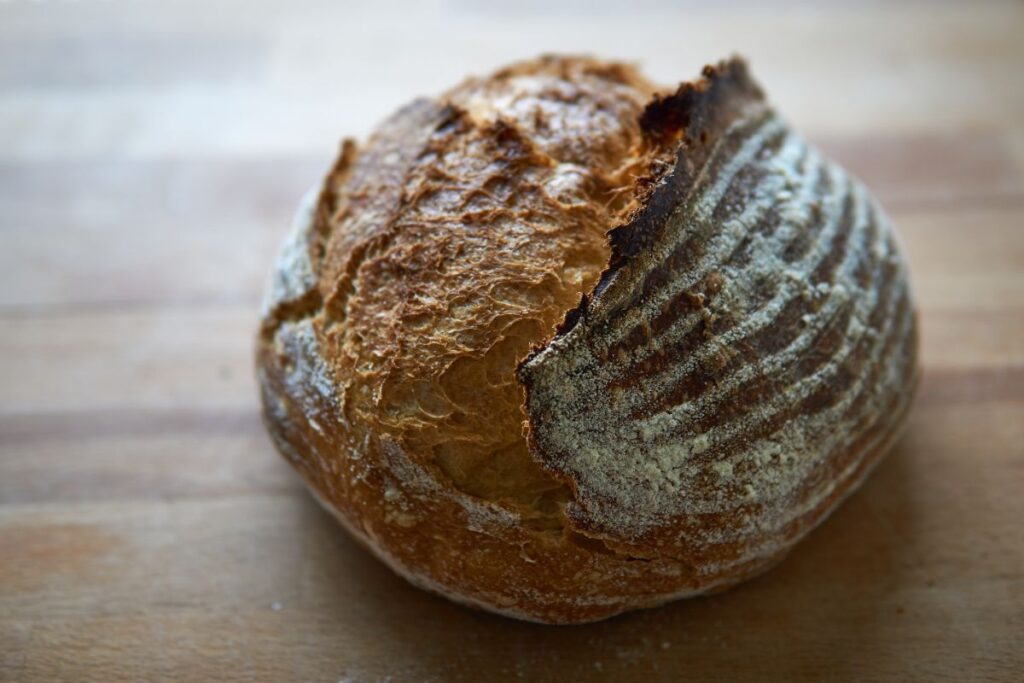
746,357
556,346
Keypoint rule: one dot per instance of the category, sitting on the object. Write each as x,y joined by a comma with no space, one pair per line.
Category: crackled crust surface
456,245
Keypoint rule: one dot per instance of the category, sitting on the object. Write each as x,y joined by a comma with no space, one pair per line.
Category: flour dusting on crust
743,351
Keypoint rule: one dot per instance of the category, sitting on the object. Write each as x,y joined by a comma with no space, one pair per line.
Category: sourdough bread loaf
557,345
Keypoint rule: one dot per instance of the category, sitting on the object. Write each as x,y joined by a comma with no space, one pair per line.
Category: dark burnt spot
686,112
724,95
697,115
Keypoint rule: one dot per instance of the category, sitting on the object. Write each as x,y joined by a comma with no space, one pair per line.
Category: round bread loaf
558,346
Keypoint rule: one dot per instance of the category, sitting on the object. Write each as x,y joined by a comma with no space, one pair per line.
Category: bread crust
515,412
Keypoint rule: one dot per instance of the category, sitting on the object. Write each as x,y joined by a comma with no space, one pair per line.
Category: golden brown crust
436,257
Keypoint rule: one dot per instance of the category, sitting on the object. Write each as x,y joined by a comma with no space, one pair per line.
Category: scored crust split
516,408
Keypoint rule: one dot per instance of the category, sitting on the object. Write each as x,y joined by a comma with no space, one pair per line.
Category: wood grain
150,156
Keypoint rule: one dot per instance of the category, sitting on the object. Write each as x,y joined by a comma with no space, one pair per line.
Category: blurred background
151,154
178,135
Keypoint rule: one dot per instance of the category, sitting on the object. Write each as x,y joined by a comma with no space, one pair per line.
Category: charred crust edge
691,119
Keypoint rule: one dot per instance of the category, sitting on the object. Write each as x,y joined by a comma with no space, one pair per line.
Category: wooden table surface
150,157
